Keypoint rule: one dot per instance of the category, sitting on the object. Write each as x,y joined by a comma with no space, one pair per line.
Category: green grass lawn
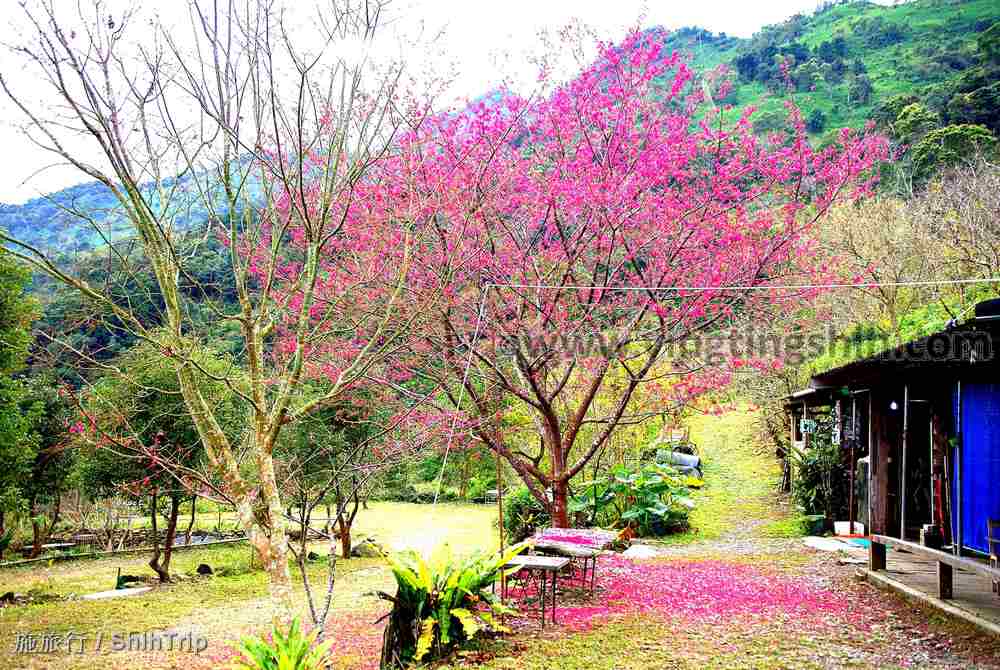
221,607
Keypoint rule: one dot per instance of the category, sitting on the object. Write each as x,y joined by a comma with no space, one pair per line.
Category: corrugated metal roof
961,345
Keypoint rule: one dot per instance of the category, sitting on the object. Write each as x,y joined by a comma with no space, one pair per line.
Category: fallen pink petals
702,592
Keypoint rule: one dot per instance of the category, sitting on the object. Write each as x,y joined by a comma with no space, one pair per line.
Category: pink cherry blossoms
530,250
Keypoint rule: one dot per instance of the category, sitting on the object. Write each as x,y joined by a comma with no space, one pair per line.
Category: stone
204,569
640,551
367,549
117,593
124,580
11,598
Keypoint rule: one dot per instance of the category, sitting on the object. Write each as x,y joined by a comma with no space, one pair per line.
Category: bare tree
876,243
960,210
271,131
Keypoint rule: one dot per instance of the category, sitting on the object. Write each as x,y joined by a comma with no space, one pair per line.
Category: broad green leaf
426,638
470,626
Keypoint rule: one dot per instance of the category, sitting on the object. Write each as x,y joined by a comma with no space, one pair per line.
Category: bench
946,563
490,496
545,569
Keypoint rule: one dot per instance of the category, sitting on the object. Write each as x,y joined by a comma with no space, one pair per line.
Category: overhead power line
752,287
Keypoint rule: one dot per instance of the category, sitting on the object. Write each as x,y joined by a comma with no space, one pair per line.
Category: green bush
284,651
820,482
416,481
440,603
523,514
654,499
478,487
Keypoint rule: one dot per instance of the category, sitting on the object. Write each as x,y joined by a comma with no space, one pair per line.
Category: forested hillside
849,61
54,222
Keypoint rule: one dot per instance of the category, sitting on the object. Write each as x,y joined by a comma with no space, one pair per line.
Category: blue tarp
980,463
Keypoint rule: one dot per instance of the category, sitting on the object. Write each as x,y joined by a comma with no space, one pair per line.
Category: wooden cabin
926,416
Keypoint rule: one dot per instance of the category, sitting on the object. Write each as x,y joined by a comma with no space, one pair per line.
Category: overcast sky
476,35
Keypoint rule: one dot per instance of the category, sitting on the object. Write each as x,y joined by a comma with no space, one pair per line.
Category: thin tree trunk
36,539
464,484
162,568
154,562
187,533
168,546
345,540
39,531
345,521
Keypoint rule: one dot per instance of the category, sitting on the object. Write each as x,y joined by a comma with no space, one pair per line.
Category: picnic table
543,569
581,545
582,556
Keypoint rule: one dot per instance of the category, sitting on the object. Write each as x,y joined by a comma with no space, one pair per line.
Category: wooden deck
972,593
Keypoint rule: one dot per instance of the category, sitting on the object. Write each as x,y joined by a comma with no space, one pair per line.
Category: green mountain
51,222
847,63
854,61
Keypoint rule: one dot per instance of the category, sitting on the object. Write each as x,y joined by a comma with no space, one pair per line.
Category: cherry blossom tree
586,238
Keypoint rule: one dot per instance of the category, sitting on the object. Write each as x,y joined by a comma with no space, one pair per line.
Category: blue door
980,462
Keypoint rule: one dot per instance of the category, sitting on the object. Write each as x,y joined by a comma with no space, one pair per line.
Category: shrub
284,651
820,482
816,122
653,500
523,514
477,487
440,603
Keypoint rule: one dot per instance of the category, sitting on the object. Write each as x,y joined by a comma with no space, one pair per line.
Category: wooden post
958,473
503,573
944,580
500,502
902,473
871,462
853,438
876,556
879,466
789,461
805,435
934,467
